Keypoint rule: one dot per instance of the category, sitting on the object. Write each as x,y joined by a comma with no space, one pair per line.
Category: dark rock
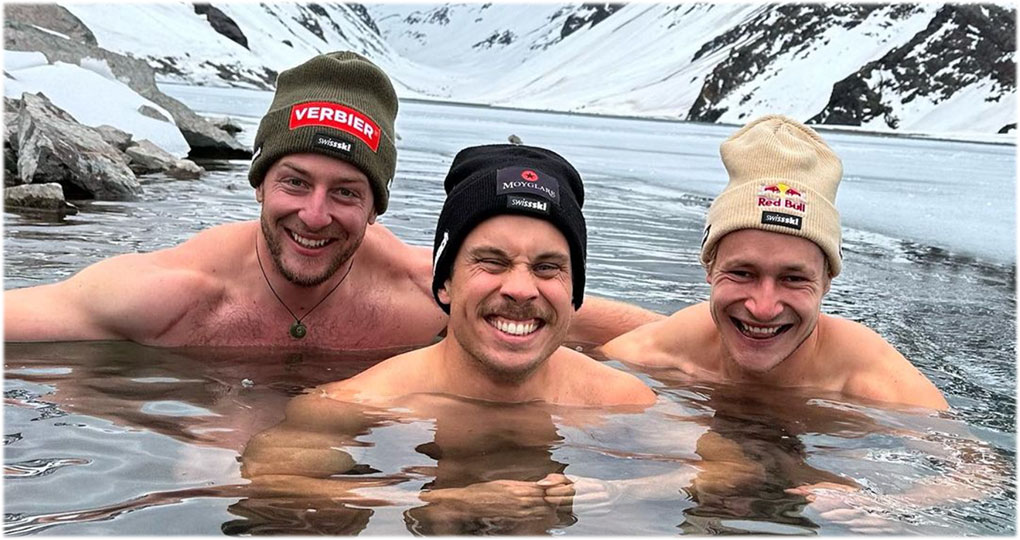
11,104
151,112
53,147
311,20
506,38
51,17
48,197
185,169
226,124
963,44
11,149
120,140
146,158
222,24
362,13
204,138
514,139
588,14
756,44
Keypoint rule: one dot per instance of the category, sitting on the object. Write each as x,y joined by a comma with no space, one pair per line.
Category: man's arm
600,320
665,343
126,297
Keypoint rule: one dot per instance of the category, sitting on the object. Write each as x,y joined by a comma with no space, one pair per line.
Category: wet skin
767,291
510,296
314,213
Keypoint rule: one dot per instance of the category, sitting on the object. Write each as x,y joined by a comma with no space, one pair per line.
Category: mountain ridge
935,68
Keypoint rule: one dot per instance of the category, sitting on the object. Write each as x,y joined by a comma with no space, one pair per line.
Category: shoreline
989,139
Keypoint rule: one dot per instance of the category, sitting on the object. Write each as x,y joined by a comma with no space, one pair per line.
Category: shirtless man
509,264
770,250
509,269
313,272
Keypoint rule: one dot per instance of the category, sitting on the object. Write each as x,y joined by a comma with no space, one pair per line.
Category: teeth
515,328
759,330
308,242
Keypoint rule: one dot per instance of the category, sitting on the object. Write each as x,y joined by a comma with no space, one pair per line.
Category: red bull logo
781,196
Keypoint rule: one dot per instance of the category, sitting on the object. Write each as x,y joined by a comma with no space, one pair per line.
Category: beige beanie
783,179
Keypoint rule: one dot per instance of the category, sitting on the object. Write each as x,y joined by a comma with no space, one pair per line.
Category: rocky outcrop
204,139
961,46
45,197
226,124
224,25
146,158
11,107
52,17
53,147
778,30
119,139
44,144
588,14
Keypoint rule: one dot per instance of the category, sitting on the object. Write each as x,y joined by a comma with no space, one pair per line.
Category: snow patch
79,91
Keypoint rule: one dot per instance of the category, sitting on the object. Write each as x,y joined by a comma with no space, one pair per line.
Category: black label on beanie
517,202
528,181
336,144
783,220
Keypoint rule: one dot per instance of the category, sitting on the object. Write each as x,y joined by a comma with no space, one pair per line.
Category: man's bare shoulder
395,258
668,343
873,368
593,383
214,250
394,377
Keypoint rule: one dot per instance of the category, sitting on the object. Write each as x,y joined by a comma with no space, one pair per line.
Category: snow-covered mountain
936,68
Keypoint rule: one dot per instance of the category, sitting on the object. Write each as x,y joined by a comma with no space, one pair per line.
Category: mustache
511,309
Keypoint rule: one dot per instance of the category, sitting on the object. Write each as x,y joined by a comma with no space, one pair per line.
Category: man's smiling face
767,291
315,209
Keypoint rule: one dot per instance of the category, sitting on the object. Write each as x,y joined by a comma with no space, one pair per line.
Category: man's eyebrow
293,167
556,256
481,251
301,171
742,263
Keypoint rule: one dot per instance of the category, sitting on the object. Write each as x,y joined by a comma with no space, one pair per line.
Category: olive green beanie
337,104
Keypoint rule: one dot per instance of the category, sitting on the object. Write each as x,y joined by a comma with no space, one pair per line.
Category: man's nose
315,211
763,303
519,284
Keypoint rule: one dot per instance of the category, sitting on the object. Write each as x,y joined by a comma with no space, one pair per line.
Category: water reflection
710,458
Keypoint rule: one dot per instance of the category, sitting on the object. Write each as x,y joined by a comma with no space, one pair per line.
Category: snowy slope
77,90
845,64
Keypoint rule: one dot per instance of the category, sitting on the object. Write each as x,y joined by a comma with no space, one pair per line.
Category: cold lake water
118,439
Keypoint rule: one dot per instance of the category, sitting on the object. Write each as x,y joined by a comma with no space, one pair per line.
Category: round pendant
298,330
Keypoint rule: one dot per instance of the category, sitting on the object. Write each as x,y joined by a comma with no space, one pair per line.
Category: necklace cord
297,320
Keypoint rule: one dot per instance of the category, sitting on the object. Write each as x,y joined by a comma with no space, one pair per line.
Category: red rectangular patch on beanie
336,116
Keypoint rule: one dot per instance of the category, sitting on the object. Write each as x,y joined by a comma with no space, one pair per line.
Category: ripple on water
39,467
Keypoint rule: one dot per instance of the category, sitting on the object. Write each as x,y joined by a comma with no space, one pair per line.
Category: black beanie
337,104
486,181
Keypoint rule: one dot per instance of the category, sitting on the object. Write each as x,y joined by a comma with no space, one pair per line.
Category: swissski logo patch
529,204
336,116
336,144
781,219
527,181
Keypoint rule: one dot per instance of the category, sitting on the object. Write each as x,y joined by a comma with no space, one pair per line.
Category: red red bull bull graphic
781,196
336,116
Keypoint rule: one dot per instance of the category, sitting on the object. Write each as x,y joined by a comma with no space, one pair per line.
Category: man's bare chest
337,325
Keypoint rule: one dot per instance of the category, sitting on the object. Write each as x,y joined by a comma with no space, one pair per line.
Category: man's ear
443,294
258,193
371,218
